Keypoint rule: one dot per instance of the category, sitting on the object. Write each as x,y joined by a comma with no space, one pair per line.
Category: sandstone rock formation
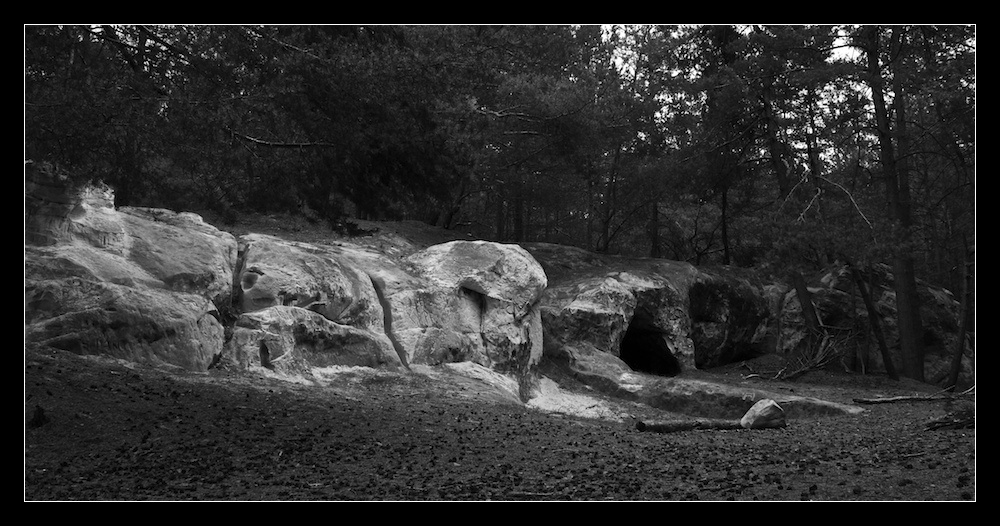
138,284
162,287
344,304
605,315
302,305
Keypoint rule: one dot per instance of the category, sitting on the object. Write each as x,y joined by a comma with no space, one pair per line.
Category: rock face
138,284
490,293
302,305
343,304
730,317
603,315
156,286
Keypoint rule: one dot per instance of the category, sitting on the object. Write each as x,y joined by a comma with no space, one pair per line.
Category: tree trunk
725,227
907,302
590,210
897,189
966,316
809,316
776,147
873,321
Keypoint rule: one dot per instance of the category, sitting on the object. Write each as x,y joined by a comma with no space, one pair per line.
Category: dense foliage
780,147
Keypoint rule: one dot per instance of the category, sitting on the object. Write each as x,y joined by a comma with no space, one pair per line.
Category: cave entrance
645,350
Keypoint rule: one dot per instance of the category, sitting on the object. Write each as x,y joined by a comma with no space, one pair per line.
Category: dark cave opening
644,350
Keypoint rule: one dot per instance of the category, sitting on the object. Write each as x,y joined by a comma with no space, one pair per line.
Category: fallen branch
891,399
915,398
825,352
765,413
964,418
672,426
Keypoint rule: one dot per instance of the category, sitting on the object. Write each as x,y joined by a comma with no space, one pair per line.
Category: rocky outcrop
344,304
730,317
157,286
489,292
605,314
302,305
139,284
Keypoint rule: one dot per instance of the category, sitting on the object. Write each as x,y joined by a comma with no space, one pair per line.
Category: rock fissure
379,286
479,299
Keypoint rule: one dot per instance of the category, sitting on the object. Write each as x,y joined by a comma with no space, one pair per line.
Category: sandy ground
98,429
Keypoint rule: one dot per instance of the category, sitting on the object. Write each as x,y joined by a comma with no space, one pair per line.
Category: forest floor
99,429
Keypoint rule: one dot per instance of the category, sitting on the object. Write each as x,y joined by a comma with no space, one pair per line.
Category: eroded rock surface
453,302
655,316
163,287
157,286
139,284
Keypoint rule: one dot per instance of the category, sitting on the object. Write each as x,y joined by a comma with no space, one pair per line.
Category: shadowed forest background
781,148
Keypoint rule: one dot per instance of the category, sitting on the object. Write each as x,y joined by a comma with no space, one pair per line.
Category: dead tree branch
825,352
917,398
673,426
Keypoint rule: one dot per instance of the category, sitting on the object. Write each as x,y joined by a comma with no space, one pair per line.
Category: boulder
657,316
730,317
145,325
453,302
275,272
53,208
763,414
477,299
293,340
144,247
140,284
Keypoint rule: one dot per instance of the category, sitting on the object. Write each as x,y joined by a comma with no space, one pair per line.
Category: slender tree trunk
590,210
907,301
966,317
873,321
776,147
809,316
726,257
897,188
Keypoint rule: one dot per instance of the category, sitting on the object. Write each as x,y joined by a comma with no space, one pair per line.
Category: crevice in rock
379,286
265,356
479,299
644,349
231,312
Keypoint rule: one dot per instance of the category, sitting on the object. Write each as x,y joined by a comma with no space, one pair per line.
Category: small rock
765,413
